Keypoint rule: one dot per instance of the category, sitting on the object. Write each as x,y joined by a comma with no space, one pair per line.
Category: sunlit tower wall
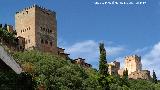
39,28
133,63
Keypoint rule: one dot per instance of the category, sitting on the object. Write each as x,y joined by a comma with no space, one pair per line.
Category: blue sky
125,29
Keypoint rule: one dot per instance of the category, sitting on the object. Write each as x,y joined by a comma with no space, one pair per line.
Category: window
29,28
51,43
47,13
21,31
42,41
50,31
28,41
44,29
46,42
20,47
27,12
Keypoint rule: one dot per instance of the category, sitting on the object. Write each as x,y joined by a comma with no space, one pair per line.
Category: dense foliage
6,37
9,80
53,72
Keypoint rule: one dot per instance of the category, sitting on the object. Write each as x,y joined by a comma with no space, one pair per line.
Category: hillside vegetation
56,73
44,70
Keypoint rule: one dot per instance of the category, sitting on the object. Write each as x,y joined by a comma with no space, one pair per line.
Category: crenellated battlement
133,63
136,57
36,6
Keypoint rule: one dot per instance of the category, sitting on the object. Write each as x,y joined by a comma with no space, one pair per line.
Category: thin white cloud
89,50
151,59
141,51
115,50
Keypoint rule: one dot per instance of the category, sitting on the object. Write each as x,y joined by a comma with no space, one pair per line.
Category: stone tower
39,28
113,68
133,63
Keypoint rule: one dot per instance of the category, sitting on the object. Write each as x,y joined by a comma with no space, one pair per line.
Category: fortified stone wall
113,67
144,74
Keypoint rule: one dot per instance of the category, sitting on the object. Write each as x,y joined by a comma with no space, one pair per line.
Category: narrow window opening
27,12
50,31
51,43
46,42
42,41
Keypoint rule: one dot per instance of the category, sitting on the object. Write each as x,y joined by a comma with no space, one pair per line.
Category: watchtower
133,63
38,26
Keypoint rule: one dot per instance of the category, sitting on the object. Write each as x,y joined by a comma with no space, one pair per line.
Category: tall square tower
133,63
39,28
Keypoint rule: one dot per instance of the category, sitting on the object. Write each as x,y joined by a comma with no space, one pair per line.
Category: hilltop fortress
134,67
37,29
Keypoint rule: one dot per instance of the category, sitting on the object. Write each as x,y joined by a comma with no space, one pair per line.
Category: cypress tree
154,77
103,68
125,74
125,78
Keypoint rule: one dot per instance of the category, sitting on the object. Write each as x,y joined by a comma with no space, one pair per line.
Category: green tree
154,77
56,73
125,78
103,68
125,74
5,27
0,25
8,37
